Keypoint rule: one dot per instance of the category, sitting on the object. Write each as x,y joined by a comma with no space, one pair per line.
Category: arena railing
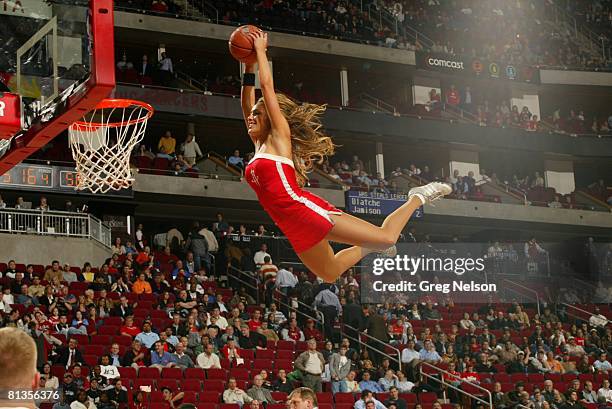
246,279
441,380
578,313
523,291
54,223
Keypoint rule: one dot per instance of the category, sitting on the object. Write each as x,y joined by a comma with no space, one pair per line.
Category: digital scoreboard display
48,178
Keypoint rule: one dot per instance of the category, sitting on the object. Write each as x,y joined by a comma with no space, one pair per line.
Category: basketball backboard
58,56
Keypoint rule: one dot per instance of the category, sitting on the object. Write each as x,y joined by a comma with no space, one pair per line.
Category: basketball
241,44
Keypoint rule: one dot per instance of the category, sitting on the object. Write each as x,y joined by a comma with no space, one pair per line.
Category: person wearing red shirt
311,332
255,322
292,332
128,327
470,375
452,96
230,350
532,124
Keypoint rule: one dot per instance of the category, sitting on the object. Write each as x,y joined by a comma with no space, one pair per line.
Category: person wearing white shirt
366,396
261,254
605,391
285,279
165,64
602,363
213,244
191,150
598,319
208,359
221,321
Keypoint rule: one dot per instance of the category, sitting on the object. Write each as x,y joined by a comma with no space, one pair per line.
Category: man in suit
353,316
123,309
145,69
70,355
376,328
339,368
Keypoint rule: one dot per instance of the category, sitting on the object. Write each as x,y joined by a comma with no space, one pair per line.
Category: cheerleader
288,142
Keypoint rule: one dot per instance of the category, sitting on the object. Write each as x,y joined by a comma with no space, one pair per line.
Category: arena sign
376,204
475,67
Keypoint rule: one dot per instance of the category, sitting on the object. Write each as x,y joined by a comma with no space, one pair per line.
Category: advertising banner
476,67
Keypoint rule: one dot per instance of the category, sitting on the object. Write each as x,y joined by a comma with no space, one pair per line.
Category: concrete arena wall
35,249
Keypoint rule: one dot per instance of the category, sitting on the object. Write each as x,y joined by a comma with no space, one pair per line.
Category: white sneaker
431,191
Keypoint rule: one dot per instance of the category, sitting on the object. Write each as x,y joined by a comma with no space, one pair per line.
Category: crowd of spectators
169,159
146,71
518,32
158,308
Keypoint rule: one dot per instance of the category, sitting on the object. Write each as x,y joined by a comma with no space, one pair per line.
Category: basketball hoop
103,140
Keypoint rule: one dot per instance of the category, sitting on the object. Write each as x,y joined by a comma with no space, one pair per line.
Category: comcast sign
438,62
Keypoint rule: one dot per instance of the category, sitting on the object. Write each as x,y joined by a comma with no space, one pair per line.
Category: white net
102,142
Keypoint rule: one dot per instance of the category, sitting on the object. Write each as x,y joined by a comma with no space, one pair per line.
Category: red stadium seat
159,405
127,372
97,350
190,397
264,354
138,382
168,383
279,396
172,373
151,373
215,373
123,340
228,406
285,364
194,385
410,398
240,373
429,397
342,397
109,330
156,396
285,345
260,364
194,373
114,321
90,360
213,385
210,396
101,340
284,354
324,397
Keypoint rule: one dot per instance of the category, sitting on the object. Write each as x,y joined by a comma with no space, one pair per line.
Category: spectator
233,394
208,359
251,340
452,97
339,366
166,146
181,359
310,365
191,150
368,384
429,354
147,337
367,397
198,245
260,256
69,355
605,391
142,286
236,159
166,71
394,399
282,383
136,356
123,309
160,358
258,392
53,272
